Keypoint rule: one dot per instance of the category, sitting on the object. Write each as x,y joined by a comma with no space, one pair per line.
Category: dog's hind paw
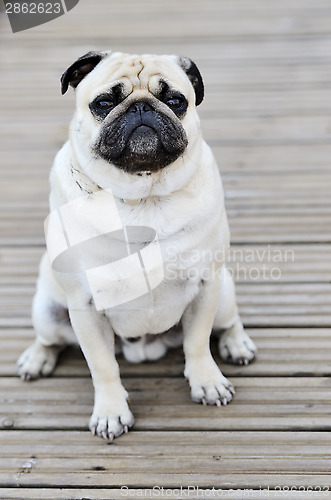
236,347
37,360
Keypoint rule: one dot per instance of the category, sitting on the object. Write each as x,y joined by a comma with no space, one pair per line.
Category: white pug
136,159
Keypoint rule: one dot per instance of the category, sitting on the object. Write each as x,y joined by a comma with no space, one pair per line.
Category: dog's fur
136,131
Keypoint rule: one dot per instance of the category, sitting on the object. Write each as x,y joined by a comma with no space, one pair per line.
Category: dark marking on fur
113,97
195,78
142,139
59,313
132,340
168,95
79,69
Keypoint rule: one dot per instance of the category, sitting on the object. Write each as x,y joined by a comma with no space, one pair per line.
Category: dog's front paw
37,360
208,385
111,418
235,346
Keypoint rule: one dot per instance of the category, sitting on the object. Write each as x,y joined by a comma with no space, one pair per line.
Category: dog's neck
132,189
87,186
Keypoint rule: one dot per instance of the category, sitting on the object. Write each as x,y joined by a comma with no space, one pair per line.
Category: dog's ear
79,69
194,76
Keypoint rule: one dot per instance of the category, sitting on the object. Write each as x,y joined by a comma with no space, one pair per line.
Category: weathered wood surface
138,493
82,463
164,403
266,114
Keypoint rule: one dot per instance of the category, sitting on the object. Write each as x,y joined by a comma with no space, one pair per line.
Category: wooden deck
267,70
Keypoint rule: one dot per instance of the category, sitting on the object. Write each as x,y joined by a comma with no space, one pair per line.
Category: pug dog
135,138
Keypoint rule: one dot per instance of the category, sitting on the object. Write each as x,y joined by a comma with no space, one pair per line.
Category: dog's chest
159,309
187,241
184,267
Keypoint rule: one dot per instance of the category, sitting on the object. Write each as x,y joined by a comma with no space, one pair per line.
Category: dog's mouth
142,139
143,143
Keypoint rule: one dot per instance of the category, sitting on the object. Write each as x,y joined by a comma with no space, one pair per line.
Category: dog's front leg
111,414
208,384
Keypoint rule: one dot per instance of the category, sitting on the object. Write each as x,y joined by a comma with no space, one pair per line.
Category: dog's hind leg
235,345
37,360
52,326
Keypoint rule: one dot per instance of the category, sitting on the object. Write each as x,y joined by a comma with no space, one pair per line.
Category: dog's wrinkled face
143,137
133,109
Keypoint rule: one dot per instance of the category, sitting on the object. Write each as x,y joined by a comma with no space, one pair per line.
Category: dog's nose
140,107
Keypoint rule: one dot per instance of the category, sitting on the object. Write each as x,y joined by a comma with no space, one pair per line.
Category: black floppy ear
194,76
79,69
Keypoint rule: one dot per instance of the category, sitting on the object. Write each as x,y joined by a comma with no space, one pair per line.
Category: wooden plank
227,459
239,7
293,184
228,130
282,352
83,445
225,102
262,304
247,19
283,158
249,228
296,263
277,103
280,50
192,492
252,79
245,184
164,404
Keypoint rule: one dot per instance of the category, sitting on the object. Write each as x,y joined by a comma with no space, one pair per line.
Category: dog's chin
144,151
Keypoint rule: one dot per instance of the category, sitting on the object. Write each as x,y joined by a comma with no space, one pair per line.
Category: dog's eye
101,106
105,105
175,102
